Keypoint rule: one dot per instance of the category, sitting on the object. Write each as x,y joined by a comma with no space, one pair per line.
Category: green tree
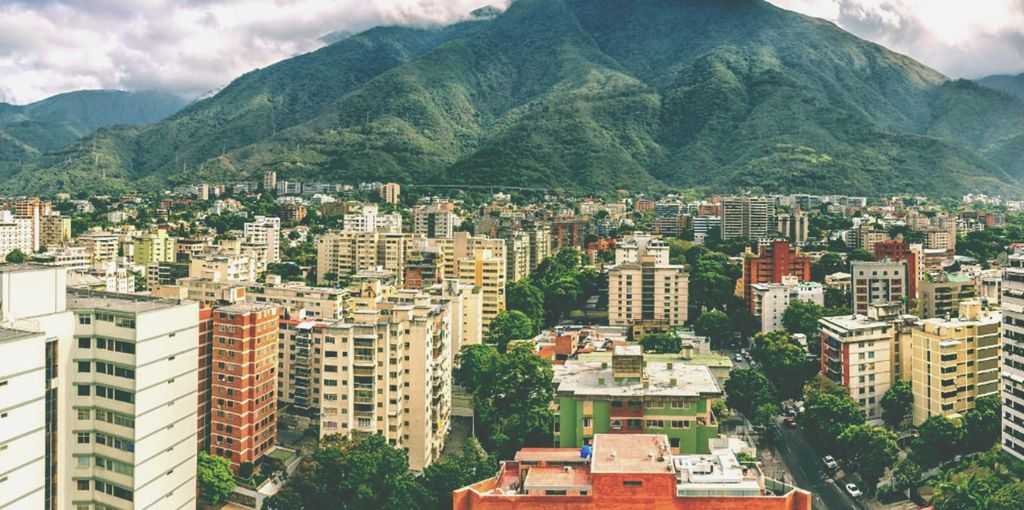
828,263
981,424
906,475
511,394
939,439
453,472
971,490
784,362
508,326
664,343
827,414
525,297
351,475
748,389
216,482
860,255
897,404
715,325
713,281
475,364
868,450
16,256
802,317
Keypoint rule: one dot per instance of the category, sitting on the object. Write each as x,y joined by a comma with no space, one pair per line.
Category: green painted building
634,395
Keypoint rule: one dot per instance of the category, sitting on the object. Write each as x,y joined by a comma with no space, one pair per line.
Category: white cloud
961,38
185,46
192,46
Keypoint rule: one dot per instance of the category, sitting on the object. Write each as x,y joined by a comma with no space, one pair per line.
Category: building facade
1012,372
874,282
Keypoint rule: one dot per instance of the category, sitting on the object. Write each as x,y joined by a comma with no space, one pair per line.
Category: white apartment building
540,245
264,230
435,220
858,352
101,246
15,234
224,268
748,217
517,255
636,246
1012,372
23,438
874,282
299,301
131,385
770,300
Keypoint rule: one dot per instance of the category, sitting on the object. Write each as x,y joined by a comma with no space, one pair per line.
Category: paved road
806,467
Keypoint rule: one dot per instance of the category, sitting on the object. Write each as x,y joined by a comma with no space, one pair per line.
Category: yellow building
486,270
154,247
54,231
955,362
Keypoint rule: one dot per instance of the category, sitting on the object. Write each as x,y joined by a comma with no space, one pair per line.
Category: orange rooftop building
628,472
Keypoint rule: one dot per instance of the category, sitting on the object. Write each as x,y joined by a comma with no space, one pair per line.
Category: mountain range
588,95
28,131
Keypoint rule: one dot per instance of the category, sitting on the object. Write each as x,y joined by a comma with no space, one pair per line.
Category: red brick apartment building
628,472
770,264
899,251
244,382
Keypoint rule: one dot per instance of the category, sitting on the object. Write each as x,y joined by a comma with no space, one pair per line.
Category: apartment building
860,353
748,218
883,281
462,246
568,233
647,292
391,193
769,301
540,245
517,255
629,471
941,293
265,231
772,262
204,377
1012,374
129,427
486,270
637,246
368,219
387,371
955,361
102,247
54,231
299,301
224,268
342,254
912,255
794,226
633,395
15,234
154,248
243,391
23,428
434,220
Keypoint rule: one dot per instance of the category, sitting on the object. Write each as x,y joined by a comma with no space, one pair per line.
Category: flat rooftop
631,454
596,378
556,477
133,303
245,307
853,322
554,455
26,267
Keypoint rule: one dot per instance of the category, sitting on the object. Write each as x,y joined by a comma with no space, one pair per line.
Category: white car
738,358
853,491
830,463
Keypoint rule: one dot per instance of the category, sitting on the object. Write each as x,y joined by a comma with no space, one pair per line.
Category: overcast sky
193,46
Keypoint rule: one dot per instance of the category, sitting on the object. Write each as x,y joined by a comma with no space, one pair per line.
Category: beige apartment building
462,246
540,245
342,254
517,255
387,370
486,270
955,361
298,300
225,268
54,231
647,292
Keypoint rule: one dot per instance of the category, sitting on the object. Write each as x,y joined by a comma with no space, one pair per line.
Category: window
84,367
84,343
82,485
83,390
85,319
83,414
632,483
83,438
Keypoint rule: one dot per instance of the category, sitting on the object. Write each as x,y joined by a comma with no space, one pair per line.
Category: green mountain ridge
1010,84
581,94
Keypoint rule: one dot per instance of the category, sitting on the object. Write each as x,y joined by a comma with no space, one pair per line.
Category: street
806,467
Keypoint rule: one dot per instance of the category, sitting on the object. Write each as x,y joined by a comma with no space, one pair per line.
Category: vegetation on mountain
578,94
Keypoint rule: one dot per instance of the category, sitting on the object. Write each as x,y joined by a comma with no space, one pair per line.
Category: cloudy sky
194,46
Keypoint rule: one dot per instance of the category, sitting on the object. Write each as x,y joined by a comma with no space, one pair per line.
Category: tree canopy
747,389
784,362
663,343
216,482
715,325
507,326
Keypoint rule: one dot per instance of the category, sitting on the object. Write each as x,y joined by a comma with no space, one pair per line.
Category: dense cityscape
276,344
511,255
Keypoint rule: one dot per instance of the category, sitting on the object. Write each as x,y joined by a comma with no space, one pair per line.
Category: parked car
738,358
830,463
853,491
